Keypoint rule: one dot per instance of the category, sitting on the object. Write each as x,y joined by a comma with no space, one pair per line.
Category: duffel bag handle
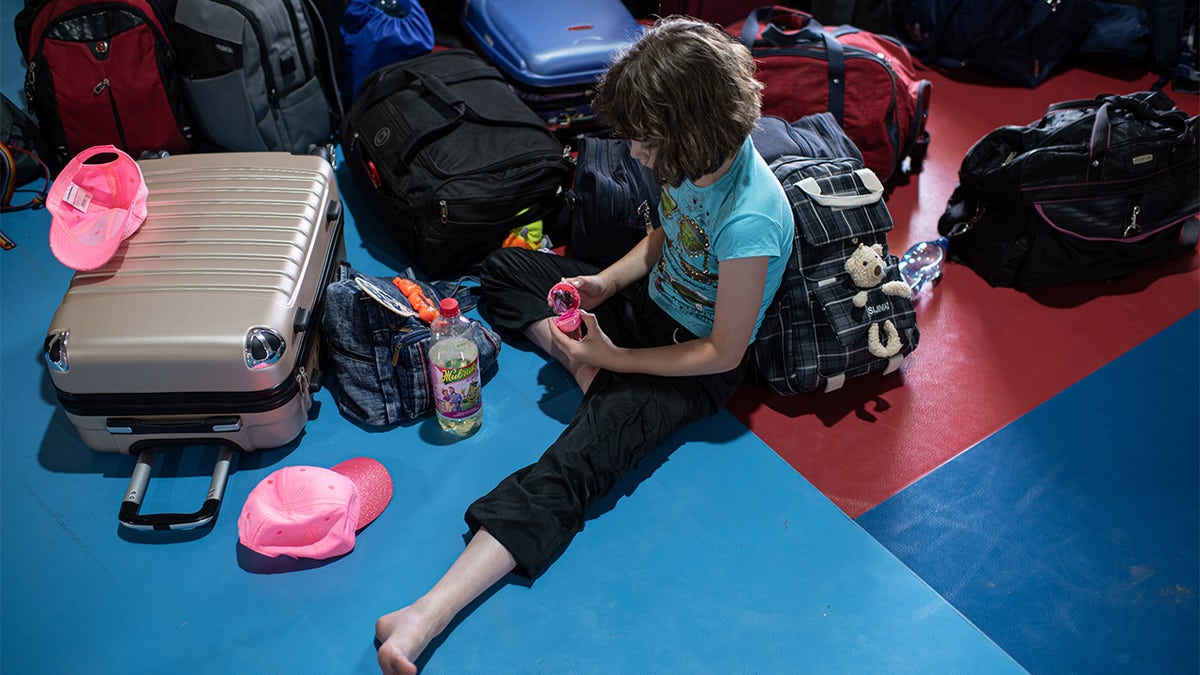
1102,125
788,23
129,514
452,108
432,90
1173,118
802,26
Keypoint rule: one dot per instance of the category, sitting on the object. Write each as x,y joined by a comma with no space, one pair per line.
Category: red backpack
866,80
103,72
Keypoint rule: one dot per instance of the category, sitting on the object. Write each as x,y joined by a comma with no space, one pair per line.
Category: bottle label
456,389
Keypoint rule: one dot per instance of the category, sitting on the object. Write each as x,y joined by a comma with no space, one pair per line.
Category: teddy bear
866,267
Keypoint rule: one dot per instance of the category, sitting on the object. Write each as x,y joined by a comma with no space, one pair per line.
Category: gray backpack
257,73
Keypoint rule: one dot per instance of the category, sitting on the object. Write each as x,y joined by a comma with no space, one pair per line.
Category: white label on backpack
1142,159
77,197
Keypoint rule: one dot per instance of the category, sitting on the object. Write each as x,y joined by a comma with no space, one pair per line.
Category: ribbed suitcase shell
156,340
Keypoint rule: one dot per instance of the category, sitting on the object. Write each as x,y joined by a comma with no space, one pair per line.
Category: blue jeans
623,416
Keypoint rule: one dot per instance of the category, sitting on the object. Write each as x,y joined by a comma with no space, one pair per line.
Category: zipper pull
1133,221
444,210
643,210
100,86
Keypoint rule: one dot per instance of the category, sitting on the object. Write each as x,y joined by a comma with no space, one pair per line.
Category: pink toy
564,301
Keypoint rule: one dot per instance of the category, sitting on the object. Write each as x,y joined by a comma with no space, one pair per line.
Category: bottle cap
448,307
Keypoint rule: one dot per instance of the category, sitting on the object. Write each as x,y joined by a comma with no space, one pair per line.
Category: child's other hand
594,348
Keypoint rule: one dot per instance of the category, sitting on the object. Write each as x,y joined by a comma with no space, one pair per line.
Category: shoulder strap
326,63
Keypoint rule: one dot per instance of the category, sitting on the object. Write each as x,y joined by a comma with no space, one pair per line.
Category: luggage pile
459,151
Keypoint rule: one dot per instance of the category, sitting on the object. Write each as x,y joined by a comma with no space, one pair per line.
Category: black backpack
450,159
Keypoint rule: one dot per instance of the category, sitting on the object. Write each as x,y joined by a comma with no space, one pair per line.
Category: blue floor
719,558
1071,536
1066,542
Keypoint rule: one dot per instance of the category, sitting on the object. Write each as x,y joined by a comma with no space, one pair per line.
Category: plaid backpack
828,323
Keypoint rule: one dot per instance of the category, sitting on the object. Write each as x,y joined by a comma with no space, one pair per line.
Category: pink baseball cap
311,512
97,201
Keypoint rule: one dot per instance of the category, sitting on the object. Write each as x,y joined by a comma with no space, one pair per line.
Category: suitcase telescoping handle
129,514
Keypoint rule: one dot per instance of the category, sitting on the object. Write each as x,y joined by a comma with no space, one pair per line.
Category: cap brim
374,486
76,254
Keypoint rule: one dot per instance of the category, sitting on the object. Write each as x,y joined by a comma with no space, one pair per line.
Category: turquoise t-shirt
744,214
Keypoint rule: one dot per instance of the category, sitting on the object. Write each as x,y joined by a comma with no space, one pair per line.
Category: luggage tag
381,295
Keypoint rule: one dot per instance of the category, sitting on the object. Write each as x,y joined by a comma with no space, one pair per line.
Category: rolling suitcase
553,52
203,328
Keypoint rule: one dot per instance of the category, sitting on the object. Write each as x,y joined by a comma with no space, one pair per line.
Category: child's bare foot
403,635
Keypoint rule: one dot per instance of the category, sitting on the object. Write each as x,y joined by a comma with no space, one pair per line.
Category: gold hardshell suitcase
204,327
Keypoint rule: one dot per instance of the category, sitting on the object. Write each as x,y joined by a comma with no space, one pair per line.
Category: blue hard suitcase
552,52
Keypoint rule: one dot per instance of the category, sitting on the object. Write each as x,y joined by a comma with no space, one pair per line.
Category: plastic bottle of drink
454,371
921,264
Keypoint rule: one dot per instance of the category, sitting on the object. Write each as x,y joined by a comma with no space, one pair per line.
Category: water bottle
921,264
396,8
454,371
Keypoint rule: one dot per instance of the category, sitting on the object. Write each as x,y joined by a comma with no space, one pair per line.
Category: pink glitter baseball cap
95,203
311,512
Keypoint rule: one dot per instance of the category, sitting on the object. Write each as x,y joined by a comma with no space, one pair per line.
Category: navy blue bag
815,135
378,33
380,357
1118,33
1019,41
614,201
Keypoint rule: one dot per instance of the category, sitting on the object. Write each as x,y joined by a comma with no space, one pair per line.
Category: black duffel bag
450,159
1094,190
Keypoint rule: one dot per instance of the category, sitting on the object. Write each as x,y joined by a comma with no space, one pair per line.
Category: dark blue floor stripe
1070,537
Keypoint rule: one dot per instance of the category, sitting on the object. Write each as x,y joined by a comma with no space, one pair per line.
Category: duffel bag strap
790,20
809,30
1173,118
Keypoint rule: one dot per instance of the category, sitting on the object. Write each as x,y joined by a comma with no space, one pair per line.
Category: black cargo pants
538,509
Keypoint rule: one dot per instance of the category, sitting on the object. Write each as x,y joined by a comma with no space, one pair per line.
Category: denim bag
380,358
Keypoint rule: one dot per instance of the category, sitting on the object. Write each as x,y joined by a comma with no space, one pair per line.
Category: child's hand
592,290
594,348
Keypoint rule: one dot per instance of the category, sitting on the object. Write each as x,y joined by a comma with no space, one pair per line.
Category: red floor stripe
987,355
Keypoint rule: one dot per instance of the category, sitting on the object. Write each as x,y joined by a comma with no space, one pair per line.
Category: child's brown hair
687,88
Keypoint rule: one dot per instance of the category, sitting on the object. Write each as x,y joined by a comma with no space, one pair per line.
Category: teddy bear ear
878,248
